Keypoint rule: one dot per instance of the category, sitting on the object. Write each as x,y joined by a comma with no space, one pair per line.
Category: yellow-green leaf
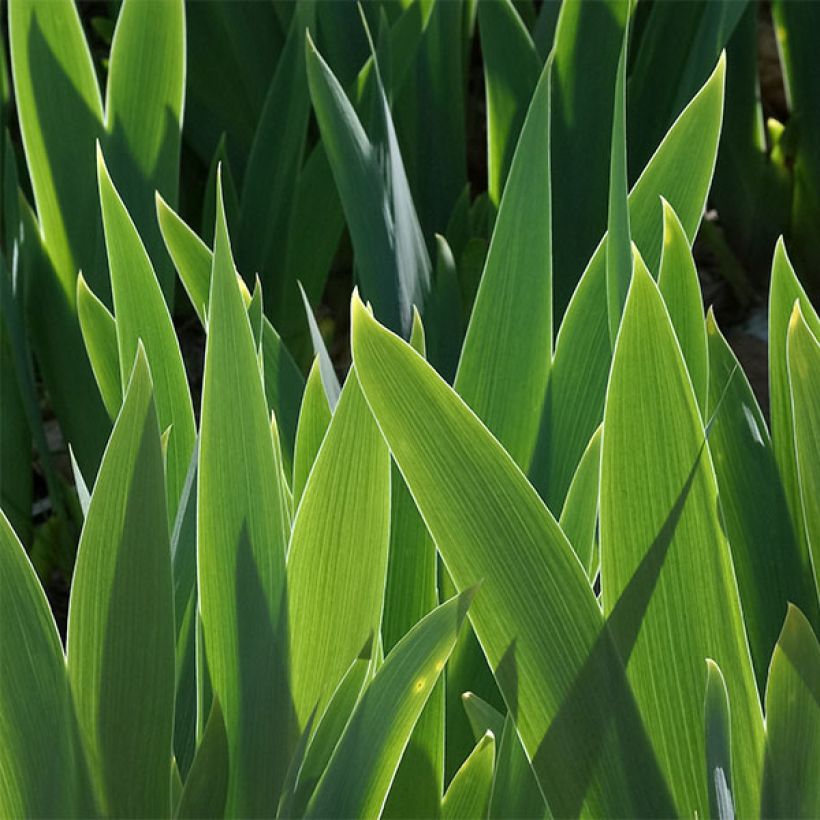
662,545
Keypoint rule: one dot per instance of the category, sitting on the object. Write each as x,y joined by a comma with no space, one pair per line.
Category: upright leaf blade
121,616
793,723
753,505
143,116
536,617
803,354
337,559
718,743
659,520
393,264
314,418
506,356
99,331
142,315
680,288
575,396
358,776
468,794
241,549
36,711
511,71
785,290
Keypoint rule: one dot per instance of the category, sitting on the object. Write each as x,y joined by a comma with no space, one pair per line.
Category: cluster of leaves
268,606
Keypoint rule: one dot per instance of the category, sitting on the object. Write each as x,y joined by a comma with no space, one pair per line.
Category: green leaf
588,43
337,559
314,418
483,717
515,794
274,161
681,171
505,360
412,592
677,48
142,315
468,794
680,287
619,244
241,548
473,498
793,723
718,744
392,261
659,522
511,71
206,786
427,87
326,735
60,113
753,505
99,331
40,753
579,517
358,776
785,290
803,353
284,383
121,601
143,117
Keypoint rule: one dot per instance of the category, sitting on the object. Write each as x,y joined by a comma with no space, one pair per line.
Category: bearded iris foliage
538,553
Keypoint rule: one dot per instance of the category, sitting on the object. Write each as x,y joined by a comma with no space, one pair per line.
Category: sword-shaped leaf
803,353
793,723
659,521
142,315
468,794
121,616
337,559
536,617
241,548
359,774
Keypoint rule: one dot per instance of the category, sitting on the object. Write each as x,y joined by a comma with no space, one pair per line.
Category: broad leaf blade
785,290
793,723
468,794
391,258
143,116
206,786
579,517
506,356
337,560
753,505
43,767
680,288
511,71
516,793
660,534
358,776
575,396
803,353
99,331
121,600
142,315
284,382
536,617
241,549
314,418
